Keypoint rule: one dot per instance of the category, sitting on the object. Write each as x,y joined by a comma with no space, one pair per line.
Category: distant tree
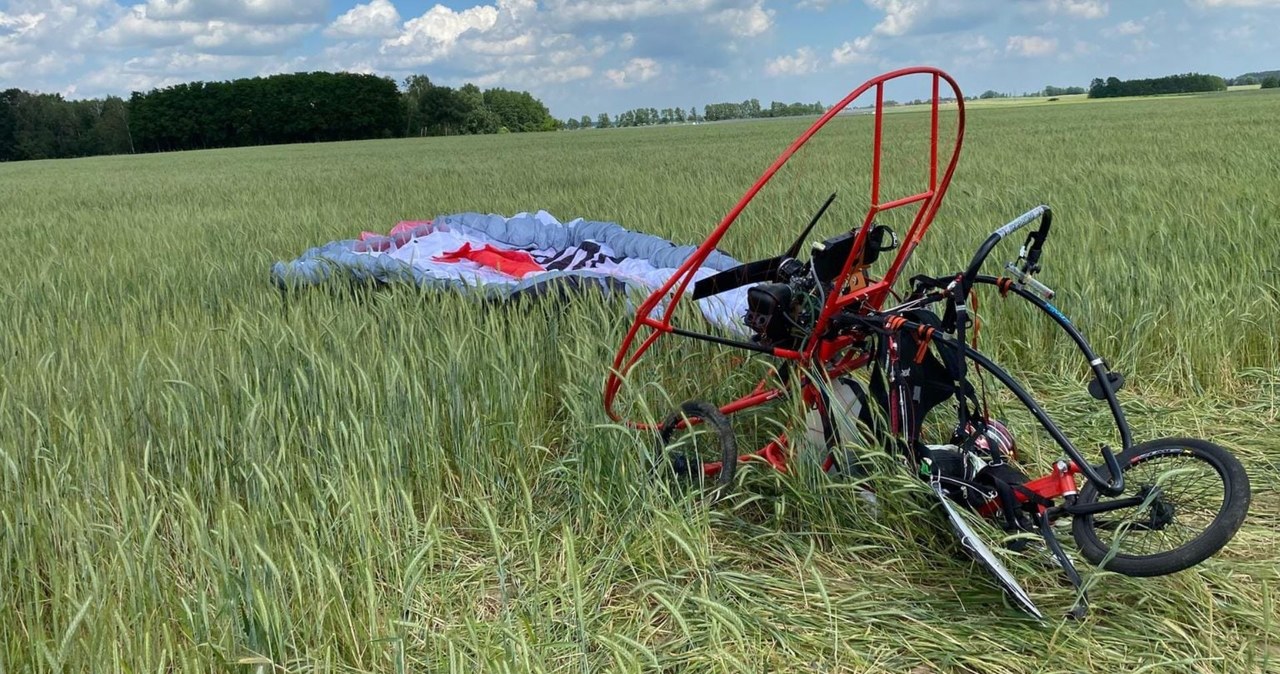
111,128
1173,84
1271,83
1061,91
415,86
9,124
602,122
585,122
293,108
519,110
990,93
443,111
1257,77
478,118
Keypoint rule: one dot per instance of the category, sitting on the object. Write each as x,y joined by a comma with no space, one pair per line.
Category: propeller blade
758,271
751,272
794,250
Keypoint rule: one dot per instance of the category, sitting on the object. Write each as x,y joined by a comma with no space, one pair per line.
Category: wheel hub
1160,512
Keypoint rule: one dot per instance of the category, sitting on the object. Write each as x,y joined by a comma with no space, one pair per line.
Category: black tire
691,467
1232,481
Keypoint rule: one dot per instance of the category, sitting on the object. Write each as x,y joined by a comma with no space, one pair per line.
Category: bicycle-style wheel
1195,495
705,453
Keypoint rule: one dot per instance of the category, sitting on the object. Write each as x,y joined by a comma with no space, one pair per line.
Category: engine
782,312
771,313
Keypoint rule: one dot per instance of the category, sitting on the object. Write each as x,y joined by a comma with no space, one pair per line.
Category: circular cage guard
872,295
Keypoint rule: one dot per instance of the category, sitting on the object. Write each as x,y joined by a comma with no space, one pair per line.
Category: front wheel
691,453
1194,496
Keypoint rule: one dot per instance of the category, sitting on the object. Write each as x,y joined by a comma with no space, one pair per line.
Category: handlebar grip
992,241
1021,221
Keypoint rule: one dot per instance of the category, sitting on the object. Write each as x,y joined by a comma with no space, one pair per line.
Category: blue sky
585,56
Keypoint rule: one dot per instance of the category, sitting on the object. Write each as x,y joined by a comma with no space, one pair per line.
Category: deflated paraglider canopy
500,257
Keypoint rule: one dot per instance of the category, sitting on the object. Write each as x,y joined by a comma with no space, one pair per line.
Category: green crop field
196,475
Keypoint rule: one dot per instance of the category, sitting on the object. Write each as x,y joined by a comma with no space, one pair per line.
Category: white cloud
1081,9
1211,4
1126,28
1241,34
535,76
1031,45
233,38
377,19
899,15
651,48
19,24
636,71
241,11
139,27
625,10
975,51
904,17
520,44
802,62
42,39
433,35
745,21
136,29
854,51
979,43
168,67
176,62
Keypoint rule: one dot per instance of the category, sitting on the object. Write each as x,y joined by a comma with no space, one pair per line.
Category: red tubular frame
873,294
1060,482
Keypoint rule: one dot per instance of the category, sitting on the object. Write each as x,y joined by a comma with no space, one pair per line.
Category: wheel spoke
1187,486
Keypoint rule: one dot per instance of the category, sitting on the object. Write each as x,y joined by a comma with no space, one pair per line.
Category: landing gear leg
1081,605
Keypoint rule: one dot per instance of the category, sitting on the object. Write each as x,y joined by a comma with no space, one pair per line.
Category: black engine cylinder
768,305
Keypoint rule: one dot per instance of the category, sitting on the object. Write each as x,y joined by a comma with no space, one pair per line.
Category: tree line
1113,87
712,112
44,126
1049,91
434,110
1269,79
292,108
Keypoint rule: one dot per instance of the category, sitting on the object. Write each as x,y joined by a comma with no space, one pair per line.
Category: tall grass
196,475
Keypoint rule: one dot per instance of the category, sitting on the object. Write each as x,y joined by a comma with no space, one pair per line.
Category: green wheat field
200,474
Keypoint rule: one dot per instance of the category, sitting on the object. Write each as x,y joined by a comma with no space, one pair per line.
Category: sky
583,57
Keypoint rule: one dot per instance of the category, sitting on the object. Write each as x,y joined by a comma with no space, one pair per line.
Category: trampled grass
198,476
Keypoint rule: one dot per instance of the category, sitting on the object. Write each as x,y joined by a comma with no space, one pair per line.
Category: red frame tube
930,200
874,294
1060,482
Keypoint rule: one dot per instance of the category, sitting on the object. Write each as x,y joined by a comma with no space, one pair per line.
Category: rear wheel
705,453
1195,496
